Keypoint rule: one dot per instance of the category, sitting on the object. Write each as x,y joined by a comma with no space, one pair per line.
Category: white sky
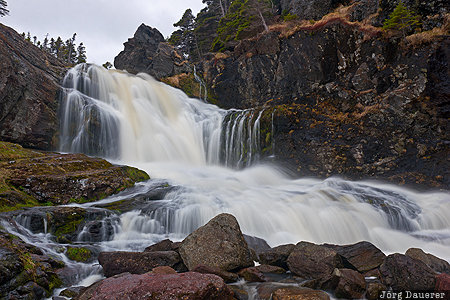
102,25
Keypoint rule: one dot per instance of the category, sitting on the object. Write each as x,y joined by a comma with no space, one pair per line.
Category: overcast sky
102,25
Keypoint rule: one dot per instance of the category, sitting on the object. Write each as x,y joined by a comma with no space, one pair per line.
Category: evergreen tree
58,48
28,37
402,19
34,40
3,10
184,38
81,57
107,65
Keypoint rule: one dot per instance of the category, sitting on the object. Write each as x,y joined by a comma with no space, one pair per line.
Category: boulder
311,261
164,245
190,285
257,244
374,290
277,256
114,263
403,273
435,263
298,293
219,243
364,256
443,282
226,276
252,274
29,87
163,270
349,284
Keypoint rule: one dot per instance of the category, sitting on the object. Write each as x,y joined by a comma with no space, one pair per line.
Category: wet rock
403,273
277,256
312,261
270,269
257,244
114,263
188,285
29,86
350,284
238,292
226,276
374,290
219,243
38,178
164,245
252,274
148,52
364,256
298,293
72,292
435,263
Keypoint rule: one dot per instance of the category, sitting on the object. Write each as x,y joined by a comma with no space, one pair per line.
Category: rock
308,9
442,282
80,254
226,276
163,270
435,263
148,52
252,274
403,273
72,292
374,290
364,256
257,244
189,285
312,261
277,256
270,269
363,9
29,86
219,243
32,177
26,272
298,293
239,293
114,263
350,284
164,245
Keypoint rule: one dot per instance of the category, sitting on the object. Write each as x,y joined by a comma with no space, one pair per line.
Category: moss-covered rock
31,178
80,254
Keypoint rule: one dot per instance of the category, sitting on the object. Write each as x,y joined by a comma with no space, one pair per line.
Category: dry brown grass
429,36
338,16
175,80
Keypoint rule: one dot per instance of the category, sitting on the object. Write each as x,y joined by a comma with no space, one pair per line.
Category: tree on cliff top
3,10
184,38
402,19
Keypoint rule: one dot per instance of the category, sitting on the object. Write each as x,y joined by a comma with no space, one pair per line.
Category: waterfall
135,118
138,121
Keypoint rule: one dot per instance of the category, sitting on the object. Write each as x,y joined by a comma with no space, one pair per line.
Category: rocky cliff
29,86
148,52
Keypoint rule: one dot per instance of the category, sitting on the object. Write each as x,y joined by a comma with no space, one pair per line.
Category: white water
159,129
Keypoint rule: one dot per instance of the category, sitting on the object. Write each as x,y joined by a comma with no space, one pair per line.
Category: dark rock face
443,282
148,52
364,256
404,273
309,9
114,263
26,272
189,285
219,243
435,263
312,261
164,245
344,101
29,85
277,256
257,244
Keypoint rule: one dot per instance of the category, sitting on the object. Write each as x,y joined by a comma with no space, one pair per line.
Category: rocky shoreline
218,262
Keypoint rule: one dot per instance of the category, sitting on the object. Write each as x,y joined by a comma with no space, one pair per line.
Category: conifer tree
3,10
184,38
107,65
402,19
81,57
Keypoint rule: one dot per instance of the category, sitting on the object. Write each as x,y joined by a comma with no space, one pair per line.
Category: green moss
136,175
79,254
54,282
70,225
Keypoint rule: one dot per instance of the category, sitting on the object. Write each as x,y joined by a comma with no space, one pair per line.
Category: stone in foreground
219,243
190,285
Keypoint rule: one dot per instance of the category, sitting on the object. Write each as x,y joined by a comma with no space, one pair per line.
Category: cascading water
138,121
